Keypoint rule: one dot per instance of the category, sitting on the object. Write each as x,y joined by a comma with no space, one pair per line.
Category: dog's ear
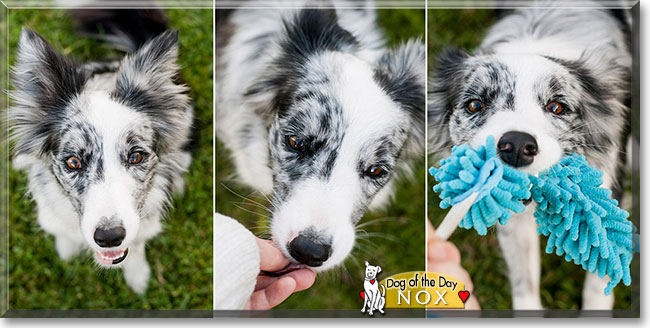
444,88
156,59
44,81
401,74
149,82
310,31
367,264
378,269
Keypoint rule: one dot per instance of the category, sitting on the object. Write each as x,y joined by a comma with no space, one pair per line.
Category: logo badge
374,293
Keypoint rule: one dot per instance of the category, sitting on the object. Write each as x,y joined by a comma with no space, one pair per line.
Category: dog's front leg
136,269
381,304
64,227
593,293
373,304
67,248
520,244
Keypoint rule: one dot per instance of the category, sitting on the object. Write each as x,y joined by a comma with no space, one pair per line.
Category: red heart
372,281
464,295
363,295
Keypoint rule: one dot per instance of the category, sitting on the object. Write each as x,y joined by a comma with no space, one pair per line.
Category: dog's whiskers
252,212
375,221
241,196
266,209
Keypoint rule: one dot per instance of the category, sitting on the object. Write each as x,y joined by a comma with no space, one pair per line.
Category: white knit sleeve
236,263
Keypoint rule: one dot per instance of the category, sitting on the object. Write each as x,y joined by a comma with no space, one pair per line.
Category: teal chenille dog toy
580,218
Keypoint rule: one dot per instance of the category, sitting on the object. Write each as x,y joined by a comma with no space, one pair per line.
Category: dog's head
101,137
339,127
538,108
371,271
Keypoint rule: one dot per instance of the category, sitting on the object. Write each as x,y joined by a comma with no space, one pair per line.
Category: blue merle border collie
104,145
546,83
319,114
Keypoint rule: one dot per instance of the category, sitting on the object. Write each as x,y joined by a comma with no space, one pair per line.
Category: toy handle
454,216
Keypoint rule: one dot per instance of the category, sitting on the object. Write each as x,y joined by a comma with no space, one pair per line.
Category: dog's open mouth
112,257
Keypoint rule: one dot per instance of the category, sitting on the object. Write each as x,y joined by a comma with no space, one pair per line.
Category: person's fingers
444,257
264,281
273,295
431,232
443,251
453,270
271,258
304,278
472,303
440,250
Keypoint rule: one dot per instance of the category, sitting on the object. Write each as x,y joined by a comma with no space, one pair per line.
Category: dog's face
105,166
101,137
538,108
338,127
372,271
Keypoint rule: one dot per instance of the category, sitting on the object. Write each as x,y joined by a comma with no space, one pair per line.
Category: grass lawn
561,282
395,240
180,257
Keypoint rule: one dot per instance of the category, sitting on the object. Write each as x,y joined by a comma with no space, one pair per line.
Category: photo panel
110,153
320,111
547,94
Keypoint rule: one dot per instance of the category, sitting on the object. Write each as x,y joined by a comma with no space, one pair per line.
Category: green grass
402,248
561,282
180,257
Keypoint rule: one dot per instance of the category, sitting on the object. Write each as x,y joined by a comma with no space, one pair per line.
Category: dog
104,145
545,83
318,113
373,299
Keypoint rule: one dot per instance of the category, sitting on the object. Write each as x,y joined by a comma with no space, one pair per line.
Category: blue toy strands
582,221
500,187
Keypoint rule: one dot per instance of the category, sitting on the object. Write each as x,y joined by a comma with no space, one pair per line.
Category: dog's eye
554,107
135,158
73,163
475,106
296,143
375,171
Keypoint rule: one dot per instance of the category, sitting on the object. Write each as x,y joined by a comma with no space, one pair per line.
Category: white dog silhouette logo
373,299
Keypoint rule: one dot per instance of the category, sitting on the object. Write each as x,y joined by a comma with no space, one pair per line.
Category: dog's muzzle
110,238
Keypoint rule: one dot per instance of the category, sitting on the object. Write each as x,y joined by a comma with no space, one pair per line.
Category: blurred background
561,281
181,256
391,238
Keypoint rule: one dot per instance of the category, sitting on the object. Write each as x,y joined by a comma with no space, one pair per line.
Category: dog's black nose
307,250
517,148
109,237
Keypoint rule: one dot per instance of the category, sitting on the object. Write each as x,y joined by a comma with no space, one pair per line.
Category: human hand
444,257
271,291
